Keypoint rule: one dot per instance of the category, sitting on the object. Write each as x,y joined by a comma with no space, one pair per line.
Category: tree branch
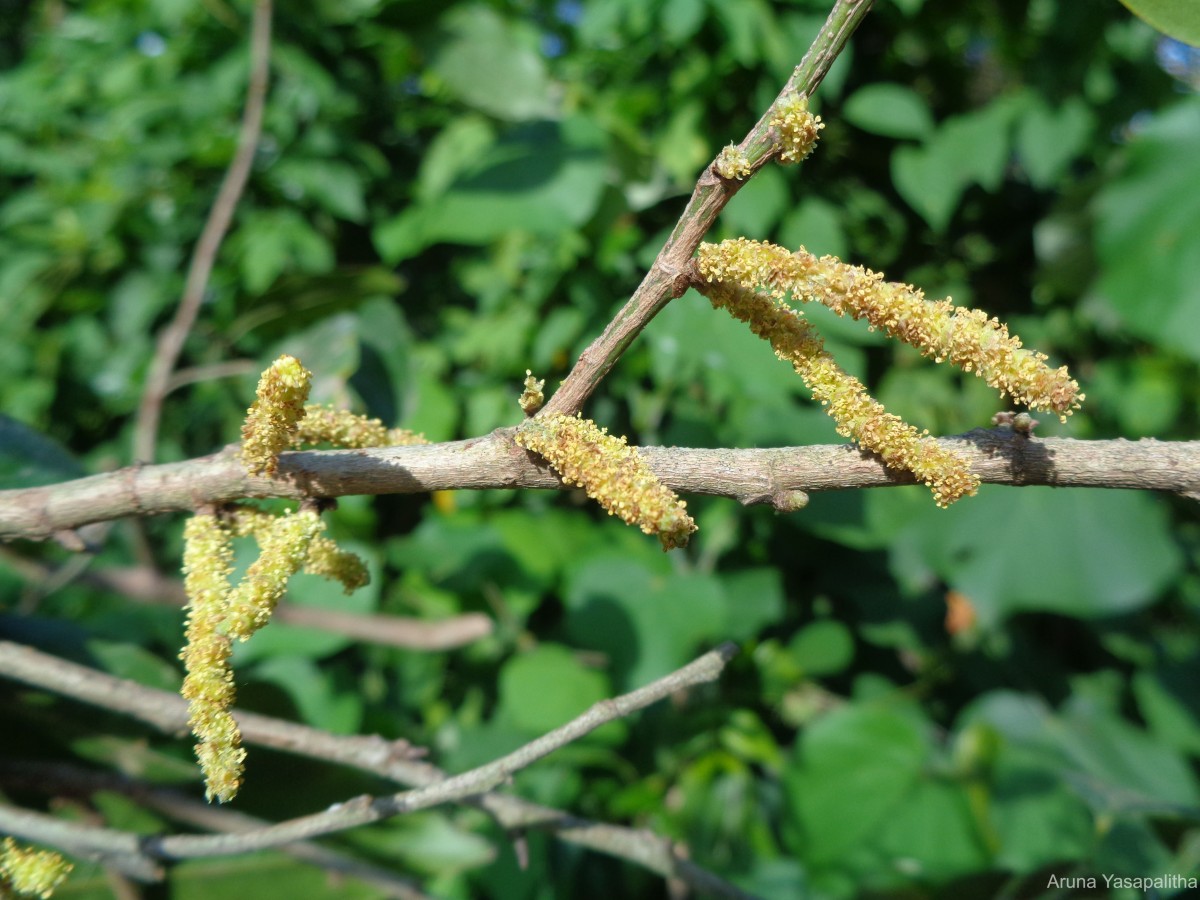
172,338
143,584
372,753
72,780
998,456
667,276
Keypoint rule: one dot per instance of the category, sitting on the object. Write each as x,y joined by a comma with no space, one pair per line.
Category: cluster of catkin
753,281
218,611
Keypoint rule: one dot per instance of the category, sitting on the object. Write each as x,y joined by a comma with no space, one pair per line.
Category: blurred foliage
929,703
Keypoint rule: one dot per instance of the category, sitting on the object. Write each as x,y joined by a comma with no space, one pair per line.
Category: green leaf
757,207
492,64
862,758
822,648
334,186
29,458
935,832
965,150
1035,548
816,225
130,661
891,110
1049,139
547,687
648,622
1146,239
317,699
542,178
1179,19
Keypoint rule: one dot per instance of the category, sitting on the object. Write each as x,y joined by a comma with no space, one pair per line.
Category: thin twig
773,476
366,809
60,779
667,277
171,340
143,584
371,753
120,850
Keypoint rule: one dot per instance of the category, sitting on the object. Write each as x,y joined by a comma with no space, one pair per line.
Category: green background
448,194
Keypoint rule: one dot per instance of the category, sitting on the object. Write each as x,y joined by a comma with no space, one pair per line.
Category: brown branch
370,753
172,338
62,779
998,456
120,850
143,584
667,277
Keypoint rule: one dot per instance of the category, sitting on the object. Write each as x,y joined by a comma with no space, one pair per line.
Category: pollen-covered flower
732,163
283,550
326,425
796,129
271,422
28,872
611,472
858,415
532,399
967,338
325,557
208,685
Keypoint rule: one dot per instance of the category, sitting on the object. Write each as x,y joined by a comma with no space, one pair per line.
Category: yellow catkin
325,558
208,686
271,422
283,551
796,129
858,415
25,872
967,338
611,472
326,425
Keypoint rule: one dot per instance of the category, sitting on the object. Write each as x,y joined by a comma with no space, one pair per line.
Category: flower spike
208,686
967,338
613,474
858,415
271,422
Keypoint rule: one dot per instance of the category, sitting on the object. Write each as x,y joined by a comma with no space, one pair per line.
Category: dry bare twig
144,584
390,759
66,780
171,340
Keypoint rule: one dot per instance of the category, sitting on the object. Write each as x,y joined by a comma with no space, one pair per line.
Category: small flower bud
532,399
796,129
732,163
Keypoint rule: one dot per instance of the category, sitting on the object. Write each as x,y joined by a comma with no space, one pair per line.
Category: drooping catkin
208,685
858,415
967,338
